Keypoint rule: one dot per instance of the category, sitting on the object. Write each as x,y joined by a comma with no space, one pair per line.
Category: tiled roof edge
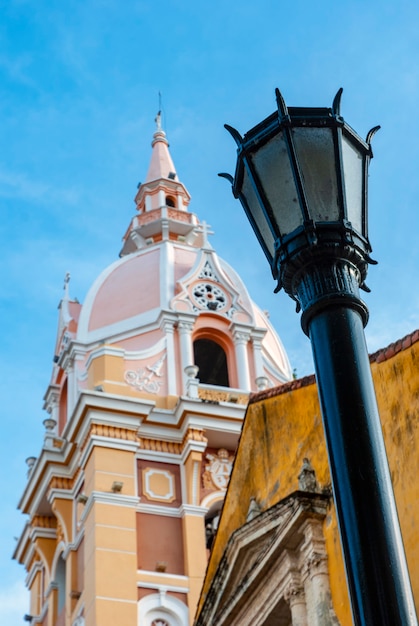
284,388
377,357
401,344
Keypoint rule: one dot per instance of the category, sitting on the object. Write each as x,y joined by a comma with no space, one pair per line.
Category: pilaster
185,328
241,337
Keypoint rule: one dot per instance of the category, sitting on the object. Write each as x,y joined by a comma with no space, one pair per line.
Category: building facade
277,558
149,386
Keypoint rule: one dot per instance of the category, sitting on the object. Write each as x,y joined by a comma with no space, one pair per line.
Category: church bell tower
150,382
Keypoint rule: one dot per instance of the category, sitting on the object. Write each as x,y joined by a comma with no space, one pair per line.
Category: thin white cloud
18,185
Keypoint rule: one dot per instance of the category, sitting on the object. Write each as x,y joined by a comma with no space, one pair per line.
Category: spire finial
158,116
66,281
158,121
66,299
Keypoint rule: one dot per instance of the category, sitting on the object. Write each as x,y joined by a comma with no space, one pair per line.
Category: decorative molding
44,521
158,445
316,563
194,434
110,498
213,394
206,288
208,272
164,491
159,606
158,509
287,537
162,575
114,432
307,478
211,498
61,482
108,431
294,593
193,510
241,335
208,296
43,533
60,533
185,327
35,568
144,379
172,447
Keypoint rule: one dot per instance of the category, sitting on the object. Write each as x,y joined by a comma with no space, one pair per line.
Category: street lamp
301,177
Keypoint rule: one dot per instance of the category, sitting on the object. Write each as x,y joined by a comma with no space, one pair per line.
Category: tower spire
162,200
161,164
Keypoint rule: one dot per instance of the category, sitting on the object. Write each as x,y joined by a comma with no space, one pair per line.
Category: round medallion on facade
209,296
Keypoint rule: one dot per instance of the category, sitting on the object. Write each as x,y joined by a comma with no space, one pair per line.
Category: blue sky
79,92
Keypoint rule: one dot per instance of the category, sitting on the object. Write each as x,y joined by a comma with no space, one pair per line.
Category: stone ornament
218,469
144,379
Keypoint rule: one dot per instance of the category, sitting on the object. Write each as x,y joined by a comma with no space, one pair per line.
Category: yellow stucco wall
397,386
281,430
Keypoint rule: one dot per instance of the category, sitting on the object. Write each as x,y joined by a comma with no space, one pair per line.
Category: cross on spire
205,229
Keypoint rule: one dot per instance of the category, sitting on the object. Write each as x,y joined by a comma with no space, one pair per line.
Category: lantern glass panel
273,168
316,157
353,175
263,231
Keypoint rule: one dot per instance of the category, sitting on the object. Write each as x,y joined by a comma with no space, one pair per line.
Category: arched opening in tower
212,362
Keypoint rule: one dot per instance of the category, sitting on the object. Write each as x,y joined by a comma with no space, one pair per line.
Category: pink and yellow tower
148,391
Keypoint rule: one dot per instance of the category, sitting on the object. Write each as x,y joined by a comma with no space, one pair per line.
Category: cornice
50,463
159,509
110,498
188,407
192,510
42,533
34,570
61,494
105,442
20,547
156,579
51,395
106,408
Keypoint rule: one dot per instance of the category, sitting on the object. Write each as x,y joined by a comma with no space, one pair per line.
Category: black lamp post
301,177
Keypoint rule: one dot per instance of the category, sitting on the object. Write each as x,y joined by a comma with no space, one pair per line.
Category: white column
241,338
162,198
148,203
167,327
185,328
257,338
71,386
316,575
71,368
294,595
